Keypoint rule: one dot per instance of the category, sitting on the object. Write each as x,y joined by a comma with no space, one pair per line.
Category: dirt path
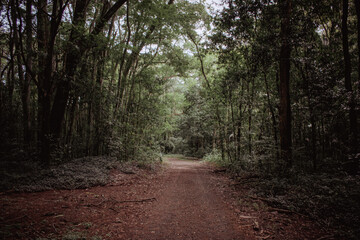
189,206
185,201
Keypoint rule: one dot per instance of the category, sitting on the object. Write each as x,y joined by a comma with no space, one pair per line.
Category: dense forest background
265,84
262,86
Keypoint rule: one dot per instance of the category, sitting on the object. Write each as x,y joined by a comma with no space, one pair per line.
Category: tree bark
347,75
44,83
23,82
357,8
285,108
26,92
72,59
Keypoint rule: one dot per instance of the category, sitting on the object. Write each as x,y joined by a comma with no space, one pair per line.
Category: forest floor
186,199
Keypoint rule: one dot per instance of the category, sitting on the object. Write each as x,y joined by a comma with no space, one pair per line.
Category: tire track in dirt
189,207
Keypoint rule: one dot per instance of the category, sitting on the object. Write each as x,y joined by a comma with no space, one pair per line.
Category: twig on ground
141,200
95,205
55,228
127,171
247,217
114,210
262,199
280,210
326,237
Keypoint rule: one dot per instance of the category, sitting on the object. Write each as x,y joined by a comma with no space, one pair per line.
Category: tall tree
77,48
357,8
44,80
347,75
285,107
26,91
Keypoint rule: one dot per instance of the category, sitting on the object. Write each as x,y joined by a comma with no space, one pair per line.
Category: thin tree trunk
304,74
11,71
25,87
273,118
1,86
285,108
250,121
357,7
233,122
239,123
44,83
348,84
250,107
26,92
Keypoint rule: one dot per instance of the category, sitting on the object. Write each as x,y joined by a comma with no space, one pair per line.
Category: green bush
215,157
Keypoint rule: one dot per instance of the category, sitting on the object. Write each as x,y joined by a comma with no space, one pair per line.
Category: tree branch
106,17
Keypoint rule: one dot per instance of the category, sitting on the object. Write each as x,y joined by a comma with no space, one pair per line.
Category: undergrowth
215,157
331,200
25,176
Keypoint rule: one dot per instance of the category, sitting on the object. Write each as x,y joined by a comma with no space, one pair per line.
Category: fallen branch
55,228
247,217
116,201
114,210
141,200
280,210
115,185
326,237
262,199
265,237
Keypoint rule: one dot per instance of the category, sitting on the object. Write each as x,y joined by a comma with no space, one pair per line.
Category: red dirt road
186,200
189,206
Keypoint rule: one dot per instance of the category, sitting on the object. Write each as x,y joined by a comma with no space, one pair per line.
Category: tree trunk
44,83
73,57
26,92
305,77
357,7
348,84
239,122
24,84
273,118
250,105
285,108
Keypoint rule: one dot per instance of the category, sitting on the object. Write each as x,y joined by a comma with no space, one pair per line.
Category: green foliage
195,128
121,82
215,157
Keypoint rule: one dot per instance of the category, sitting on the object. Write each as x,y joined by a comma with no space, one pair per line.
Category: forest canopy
271,85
